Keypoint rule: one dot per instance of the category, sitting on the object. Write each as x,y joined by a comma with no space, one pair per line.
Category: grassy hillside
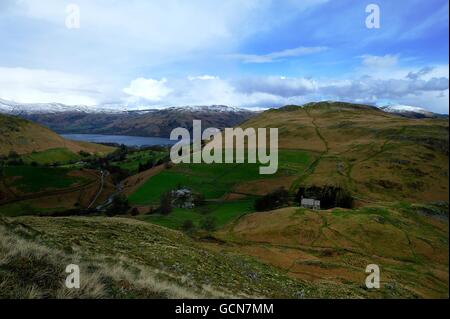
25,137
122,258
408,242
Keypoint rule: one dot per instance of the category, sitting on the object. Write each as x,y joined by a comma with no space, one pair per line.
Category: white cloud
276,56
205,77
374,61
44,86
272,91
425,87
149,89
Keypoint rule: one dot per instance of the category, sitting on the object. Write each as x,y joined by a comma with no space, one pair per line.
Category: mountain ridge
12,107
144,122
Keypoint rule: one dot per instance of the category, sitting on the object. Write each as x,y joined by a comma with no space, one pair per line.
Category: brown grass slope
24,137
409,246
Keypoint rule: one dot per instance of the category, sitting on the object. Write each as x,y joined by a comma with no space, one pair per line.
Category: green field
215,180
132,160
221,212
34,179
54,155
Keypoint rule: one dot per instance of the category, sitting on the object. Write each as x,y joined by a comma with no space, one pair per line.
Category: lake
119,139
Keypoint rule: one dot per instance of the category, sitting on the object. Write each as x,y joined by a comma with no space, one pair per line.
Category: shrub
134,211
188,226
208,223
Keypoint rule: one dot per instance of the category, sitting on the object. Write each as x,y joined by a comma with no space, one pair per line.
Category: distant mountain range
66,119
411,111
122,120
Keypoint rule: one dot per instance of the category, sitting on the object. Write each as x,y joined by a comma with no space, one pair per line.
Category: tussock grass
126,258
29,270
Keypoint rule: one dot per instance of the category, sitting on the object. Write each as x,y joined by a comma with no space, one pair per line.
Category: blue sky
247,53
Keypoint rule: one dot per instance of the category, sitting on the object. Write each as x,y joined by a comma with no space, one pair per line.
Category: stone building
310,203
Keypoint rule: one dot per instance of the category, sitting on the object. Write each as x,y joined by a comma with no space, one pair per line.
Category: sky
244,53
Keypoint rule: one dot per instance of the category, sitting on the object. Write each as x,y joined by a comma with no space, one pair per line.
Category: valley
104,203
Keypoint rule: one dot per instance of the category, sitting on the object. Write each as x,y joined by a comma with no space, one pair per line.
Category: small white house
310,203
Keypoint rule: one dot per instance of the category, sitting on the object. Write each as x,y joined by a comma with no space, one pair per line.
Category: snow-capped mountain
409,111
10,107
209,108
125,120
399,108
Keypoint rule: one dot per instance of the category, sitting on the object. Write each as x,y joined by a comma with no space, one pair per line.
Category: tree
329,195
277,198
84,153
165,203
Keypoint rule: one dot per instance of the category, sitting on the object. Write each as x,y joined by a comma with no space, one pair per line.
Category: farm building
310,203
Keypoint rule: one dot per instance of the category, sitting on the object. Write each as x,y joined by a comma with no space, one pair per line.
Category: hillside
408,242
25,137
376,155
122,258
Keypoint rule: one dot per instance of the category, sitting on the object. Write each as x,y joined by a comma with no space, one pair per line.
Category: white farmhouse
310,203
